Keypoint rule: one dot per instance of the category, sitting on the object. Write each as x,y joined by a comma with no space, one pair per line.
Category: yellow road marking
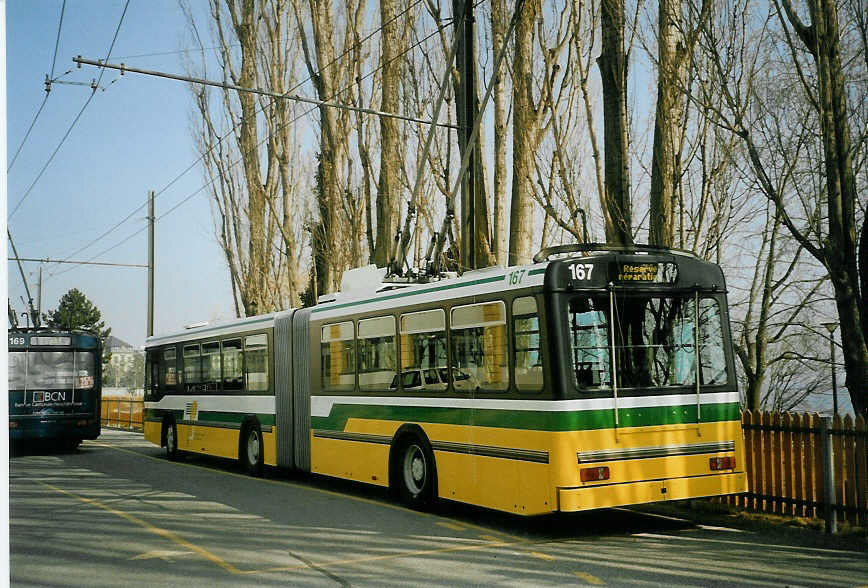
166,534
590,579
160,554
544,556
453,526
398,507
368,559
491,538
266,480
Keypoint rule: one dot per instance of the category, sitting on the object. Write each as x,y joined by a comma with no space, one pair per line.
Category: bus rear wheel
414,473
250,449
170,433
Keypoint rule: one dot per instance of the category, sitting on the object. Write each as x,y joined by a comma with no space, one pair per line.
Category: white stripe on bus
321,406
245,404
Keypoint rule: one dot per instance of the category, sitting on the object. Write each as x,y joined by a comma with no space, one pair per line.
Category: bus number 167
582,271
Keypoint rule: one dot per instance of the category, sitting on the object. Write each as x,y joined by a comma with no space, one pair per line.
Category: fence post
829,502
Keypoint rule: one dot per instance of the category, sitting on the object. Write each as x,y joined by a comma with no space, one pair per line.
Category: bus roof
560,268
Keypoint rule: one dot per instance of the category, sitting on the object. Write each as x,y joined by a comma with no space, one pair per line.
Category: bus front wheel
250,450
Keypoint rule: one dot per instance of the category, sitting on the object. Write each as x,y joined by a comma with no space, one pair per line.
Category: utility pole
151,263
466,109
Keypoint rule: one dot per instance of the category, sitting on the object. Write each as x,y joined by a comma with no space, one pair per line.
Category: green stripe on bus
530,419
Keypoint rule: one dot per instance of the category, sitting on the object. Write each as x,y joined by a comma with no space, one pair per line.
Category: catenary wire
233,164
77,117
220,139
230,131
47,90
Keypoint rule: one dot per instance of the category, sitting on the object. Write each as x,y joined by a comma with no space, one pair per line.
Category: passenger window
337,357
233,359
256,356
479,346
423,351
192,368
211,366
528,352
376,351
170,369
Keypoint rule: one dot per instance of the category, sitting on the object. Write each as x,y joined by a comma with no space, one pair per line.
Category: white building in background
125,372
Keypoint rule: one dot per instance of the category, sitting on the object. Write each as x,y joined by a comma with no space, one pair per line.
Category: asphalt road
116,512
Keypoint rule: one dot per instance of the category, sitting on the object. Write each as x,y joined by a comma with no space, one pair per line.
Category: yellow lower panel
590,497
153,432
353,460
269,449
216,441
503,484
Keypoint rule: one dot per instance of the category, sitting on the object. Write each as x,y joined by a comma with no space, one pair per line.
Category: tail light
13,424
595,474
721,463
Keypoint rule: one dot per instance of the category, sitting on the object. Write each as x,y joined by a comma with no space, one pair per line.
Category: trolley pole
150,263
39,295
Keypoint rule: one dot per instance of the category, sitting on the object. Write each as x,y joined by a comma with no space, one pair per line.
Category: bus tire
70,445
170,436
413,471
250,448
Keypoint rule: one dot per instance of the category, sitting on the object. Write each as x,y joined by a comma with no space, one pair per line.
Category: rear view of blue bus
55,386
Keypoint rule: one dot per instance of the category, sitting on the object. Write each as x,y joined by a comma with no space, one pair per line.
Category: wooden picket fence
783,455
122,412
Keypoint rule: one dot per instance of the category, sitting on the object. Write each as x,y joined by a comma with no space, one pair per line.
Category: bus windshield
655,341
51,370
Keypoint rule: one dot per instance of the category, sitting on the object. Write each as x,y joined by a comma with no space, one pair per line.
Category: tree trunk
665,168
613,72
498,36
524,138
840,248
389,186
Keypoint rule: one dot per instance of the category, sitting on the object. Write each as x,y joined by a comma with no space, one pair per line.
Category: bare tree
613,72
675,47
256,214
821,90
393,42
499,241
321,40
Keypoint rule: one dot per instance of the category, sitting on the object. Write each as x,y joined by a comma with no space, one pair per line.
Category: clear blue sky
134,136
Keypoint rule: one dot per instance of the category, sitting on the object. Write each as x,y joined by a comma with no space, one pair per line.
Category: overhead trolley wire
230,131
233,164
77,117
47,90
220,139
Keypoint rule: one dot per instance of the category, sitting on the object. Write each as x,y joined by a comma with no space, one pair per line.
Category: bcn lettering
49,396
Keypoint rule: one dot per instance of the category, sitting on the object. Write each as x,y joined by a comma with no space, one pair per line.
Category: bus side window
256,364
423,351
479,346
376,352
192,368
528,351
168,378
337,360
233,366
211,366
152,375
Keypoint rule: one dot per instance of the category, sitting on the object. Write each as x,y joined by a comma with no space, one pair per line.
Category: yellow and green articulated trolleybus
593,378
